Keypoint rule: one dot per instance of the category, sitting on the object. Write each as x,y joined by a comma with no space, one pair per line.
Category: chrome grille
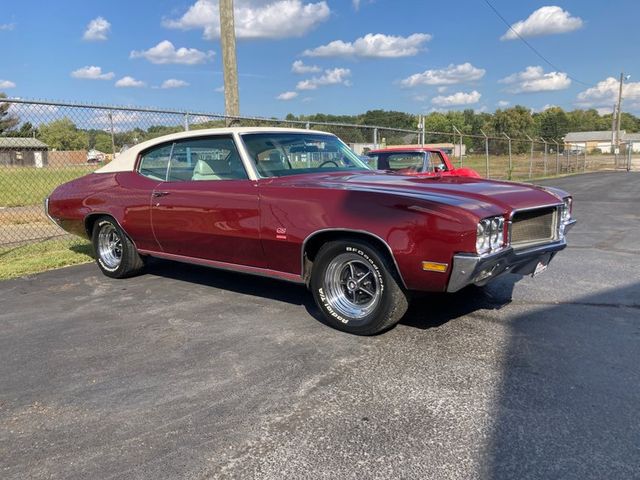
531,227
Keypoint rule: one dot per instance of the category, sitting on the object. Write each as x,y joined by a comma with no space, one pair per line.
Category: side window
372,161
154,162
206,159
406,161
436,162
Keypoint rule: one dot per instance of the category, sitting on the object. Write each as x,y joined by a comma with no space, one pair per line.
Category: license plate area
540,268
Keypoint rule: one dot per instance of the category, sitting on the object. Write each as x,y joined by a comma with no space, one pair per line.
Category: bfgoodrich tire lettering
357,288
116,255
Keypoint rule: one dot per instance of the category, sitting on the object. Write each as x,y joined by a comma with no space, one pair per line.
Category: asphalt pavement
186,372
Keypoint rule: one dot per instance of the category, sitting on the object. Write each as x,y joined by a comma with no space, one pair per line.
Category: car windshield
291,153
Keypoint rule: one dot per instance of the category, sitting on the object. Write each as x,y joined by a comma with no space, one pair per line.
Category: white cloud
174,83
442,89
164,52
92,73
459,98
450,75
356,4
287,96
7,84
605,94
503,103
373,45
98,29
122,120
544,21
604,110
128,82
333,76
533,79
7,26
220,89
299,67
255,18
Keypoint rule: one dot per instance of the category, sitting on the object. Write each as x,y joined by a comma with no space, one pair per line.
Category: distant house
96,156
24,152
599,140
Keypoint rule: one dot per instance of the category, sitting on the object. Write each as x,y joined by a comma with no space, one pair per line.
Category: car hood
467,192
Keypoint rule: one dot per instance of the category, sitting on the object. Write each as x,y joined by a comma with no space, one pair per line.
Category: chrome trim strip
232,267
46,212
351,230
569,225
106,214
249,165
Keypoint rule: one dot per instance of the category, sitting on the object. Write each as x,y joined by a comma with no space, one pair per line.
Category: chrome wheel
352,286
110,246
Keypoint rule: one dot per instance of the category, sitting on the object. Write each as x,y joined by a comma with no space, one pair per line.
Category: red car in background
416,160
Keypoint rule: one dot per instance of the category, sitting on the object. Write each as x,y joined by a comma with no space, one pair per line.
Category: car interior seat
211,170
275,162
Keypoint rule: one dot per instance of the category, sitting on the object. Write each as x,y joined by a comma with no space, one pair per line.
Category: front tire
116,255
357,288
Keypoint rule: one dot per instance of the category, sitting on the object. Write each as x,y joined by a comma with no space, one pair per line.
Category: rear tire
116,255
356,288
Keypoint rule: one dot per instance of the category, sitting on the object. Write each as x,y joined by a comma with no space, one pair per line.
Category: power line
533,49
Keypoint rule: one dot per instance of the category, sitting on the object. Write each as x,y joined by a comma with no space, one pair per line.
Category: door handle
160,194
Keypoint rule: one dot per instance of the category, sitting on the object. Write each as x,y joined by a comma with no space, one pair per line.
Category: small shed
23,152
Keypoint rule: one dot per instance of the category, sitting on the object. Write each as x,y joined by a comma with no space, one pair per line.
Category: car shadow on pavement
567,402
425,310
245,284
435,309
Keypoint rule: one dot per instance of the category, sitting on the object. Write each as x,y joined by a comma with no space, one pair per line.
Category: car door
207,207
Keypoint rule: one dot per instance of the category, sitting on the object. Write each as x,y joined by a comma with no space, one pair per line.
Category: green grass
23,186
32,258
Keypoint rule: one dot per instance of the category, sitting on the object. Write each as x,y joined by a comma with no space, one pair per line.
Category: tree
63,135
553,124
8,120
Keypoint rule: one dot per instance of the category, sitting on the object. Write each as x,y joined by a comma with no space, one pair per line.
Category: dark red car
417,160
299,205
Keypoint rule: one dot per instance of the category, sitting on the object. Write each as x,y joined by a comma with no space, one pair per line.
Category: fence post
510,159
113,137
307,126
545,155
375,137
557,157
486,152
459,151
530,157
186,122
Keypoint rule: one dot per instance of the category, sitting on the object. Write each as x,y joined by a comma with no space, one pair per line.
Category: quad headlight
565,211
490,235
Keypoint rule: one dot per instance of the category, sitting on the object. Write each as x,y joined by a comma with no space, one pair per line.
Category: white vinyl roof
126,161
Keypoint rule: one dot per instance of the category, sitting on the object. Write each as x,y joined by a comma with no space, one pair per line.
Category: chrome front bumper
468,269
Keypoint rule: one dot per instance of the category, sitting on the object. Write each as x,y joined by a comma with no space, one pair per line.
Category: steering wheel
328,161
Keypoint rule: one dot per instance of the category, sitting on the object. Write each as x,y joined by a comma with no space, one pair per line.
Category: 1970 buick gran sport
299,205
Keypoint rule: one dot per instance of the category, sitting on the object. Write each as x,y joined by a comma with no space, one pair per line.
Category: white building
599,141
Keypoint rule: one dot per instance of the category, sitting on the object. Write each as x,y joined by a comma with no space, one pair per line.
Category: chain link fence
44,144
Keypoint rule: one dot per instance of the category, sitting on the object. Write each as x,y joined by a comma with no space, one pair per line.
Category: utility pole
228,41
622,79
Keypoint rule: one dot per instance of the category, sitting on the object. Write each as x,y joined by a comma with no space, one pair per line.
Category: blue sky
410,55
